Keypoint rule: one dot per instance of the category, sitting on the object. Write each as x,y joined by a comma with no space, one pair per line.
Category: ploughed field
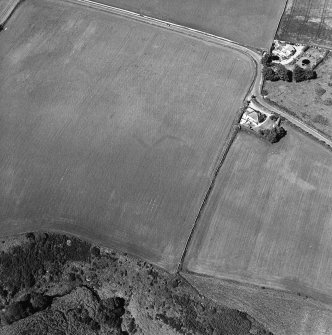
308,22
269,218
111,129
251,23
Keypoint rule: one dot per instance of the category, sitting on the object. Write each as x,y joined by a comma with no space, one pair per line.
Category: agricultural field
111,129
251,23
310,101
307,22
269,218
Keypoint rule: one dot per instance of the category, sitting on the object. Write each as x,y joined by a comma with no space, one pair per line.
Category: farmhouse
283,50
257,120
266,125
250,118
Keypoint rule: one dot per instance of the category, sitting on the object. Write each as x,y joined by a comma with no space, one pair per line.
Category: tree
310,74
273,135
40,301
301,74
282,72
95,251
261,117
269,74
266,59
15,312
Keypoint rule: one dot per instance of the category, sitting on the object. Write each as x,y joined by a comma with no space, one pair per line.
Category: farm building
256,120
311,57
283,50
250,118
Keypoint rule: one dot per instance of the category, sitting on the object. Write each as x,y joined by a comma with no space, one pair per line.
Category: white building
283,50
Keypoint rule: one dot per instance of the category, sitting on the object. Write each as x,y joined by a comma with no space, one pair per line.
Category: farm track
255,88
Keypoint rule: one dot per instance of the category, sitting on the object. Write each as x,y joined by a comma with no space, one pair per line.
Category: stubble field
308,22
251,23
111,129
269,218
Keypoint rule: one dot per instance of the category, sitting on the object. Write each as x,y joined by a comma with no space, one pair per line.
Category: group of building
302,55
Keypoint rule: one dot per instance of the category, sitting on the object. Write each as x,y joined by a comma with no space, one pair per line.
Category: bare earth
111,129
252,23
269,218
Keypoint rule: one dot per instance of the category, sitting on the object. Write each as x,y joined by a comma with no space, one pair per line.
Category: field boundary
279,23
191,32
48,229
230,139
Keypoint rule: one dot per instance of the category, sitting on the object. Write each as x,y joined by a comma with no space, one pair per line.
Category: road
9,6
293,120
255,56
